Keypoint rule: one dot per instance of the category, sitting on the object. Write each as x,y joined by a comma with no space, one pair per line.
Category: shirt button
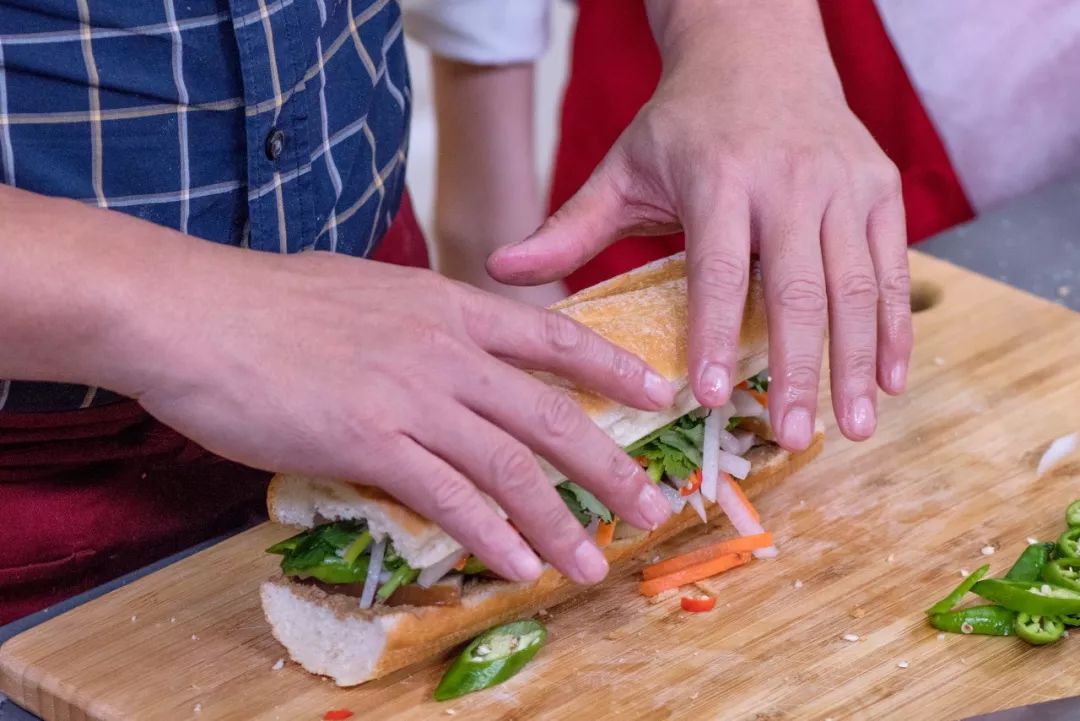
275,143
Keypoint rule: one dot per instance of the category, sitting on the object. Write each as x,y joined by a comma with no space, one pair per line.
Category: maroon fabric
615,68
90,495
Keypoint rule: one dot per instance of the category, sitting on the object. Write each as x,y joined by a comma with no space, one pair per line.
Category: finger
585,224
545,340
888,247
549,422
718,275
795,302
440,493
853,295
508,472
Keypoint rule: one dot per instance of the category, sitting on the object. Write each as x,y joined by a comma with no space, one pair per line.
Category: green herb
760,382
403,575
584,505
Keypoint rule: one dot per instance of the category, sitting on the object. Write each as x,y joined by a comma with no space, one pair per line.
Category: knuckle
450,497
722,275
801,376
562,526
801,294
885,177
624,367
561,333
860,364
513,467
896,285
857,289
558,414
621,469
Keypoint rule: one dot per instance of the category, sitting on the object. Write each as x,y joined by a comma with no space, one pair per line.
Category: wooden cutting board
870,534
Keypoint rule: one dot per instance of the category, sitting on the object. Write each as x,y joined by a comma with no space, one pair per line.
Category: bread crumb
988,550
901,664
857,612
964,573
693,696
1031,541
798,583
278,665
134,619
194,637
197,708
851,637
172,620
664,596
941,637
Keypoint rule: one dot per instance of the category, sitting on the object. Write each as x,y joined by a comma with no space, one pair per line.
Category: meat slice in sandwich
369,587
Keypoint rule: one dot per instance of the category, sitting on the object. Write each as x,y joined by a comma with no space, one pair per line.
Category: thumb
587,223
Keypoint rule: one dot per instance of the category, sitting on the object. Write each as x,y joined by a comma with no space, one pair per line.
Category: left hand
748,146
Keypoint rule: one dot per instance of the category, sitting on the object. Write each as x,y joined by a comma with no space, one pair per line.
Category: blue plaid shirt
279,126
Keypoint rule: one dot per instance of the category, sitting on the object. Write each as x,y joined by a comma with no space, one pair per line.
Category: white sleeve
481,32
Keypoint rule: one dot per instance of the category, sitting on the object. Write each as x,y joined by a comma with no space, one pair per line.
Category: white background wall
551,74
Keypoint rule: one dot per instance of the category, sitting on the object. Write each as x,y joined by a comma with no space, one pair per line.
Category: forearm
722,32
487,193
72,289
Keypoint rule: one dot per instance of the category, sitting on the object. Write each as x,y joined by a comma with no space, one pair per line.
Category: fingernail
863,419
653,505
716,383
659,390
797,428
525,564
898,378
590,562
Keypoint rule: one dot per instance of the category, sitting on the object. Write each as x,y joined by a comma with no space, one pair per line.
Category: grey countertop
1032,243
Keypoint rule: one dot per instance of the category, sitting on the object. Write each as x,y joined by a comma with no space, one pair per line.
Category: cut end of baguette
328,634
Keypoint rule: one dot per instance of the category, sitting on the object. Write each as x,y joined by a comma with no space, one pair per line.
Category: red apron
615,67
89,495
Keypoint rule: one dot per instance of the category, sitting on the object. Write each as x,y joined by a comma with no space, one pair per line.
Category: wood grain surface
870,535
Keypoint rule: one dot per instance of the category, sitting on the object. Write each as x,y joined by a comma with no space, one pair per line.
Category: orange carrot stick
605,533
694,573
761,397
741,544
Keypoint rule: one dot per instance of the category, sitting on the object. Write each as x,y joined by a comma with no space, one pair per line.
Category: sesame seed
939,361
967,628
134,618
1032,541
482,650
172,620
964,573
450,712
852,637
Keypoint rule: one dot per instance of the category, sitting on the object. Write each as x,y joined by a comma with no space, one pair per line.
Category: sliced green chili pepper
1039,630
947,603
1068,545
491,658
1031,597
655,471
473,565
1072,514
289,544
1031,562
1070,619
358,547
981,620
403,575
1064,572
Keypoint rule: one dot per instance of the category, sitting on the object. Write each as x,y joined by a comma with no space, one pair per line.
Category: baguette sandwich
369,587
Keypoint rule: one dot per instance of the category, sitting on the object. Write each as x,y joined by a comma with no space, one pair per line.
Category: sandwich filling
343,557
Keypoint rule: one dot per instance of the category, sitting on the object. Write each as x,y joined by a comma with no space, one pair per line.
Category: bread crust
401,636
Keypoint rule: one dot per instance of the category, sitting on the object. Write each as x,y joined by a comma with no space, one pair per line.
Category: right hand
400,379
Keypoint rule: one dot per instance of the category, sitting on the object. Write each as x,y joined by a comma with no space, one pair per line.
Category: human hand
748,146
400,379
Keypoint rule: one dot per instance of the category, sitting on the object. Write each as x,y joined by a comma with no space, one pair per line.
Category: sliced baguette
329,634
